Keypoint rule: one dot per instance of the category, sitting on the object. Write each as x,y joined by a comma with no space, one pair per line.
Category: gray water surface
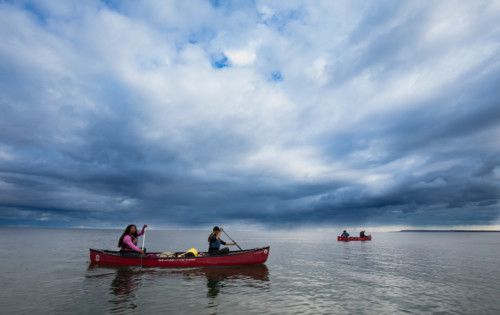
48,271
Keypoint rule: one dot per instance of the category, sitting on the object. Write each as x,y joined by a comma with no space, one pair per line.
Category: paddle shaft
232,239
143,240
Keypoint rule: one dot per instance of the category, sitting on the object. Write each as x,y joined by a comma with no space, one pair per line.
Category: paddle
232,240
143,240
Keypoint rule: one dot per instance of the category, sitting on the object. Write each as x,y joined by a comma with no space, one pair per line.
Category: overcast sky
250,114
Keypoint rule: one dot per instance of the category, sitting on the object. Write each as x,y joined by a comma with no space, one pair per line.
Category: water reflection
218,281
252,276
124,286
217,278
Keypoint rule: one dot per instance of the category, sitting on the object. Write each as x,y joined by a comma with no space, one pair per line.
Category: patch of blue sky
221,62
233,4
202,35
33,8
216,3
276,76
111,4
281,20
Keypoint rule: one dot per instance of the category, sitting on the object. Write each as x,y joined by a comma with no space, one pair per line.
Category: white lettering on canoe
97,257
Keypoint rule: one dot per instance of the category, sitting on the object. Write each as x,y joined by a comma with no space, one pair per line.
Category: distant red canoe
345,239
236,258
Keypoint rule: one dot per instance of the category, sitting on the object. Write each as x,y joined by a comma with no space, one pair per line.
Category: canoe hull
344,239
237,258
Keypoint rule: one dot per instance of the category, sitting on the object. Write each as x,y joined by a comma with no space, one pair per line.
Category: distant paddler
345,234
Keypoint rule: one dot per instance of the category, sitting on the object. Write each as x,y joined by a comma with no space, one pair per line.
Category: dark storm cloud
383,115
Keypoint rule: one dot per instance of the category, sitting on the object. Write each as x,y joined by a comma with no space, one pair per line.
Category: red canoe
347,239
241,257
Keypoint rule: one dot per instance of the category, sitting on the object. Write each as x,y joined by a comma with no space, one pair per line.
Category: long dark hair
212,234
127,232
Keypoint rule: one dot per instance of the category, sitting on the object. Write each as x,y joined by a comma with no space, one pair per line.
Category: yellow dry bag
192,250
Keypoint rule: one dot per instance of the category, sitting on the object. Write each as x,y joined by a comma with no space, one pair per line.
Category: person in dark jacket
214,242
345,234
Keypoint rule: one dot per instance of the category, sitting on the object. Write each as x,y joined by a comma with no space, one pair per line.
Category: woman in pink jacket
128,242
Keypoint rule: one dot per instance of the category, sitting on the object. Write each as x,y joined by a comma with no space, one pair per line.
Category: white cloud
241,57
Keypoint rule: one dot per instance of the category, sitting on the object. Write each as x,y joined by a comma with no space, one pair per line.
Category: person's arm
222,242
128,241
142,231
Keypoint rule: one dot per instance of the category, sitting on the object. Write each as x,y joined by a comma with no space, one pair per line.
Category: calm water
47,271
